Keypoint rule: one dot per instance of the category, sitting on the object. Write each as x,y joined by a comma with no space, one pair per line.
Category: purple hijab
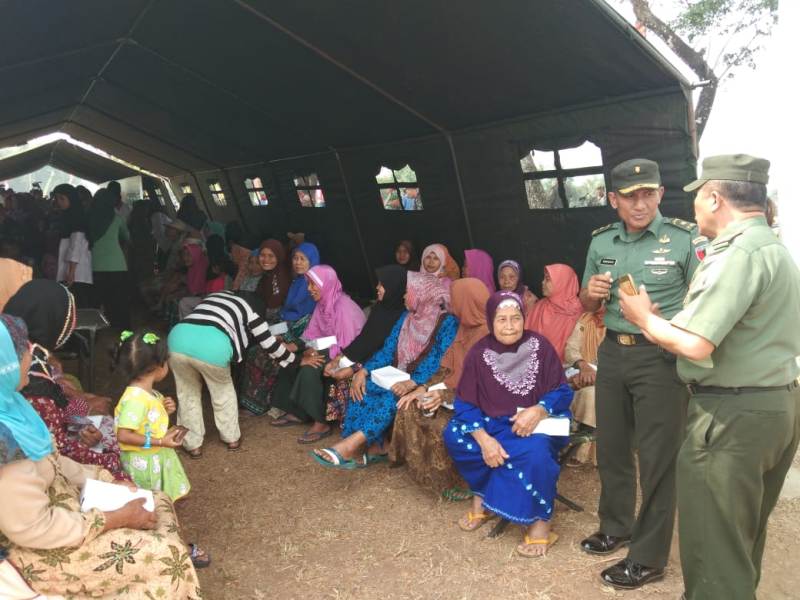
481,266
498,378
335,313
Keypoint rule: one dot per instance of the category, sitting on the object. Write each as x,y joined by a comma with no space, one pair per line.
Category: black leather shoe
630,575
600,543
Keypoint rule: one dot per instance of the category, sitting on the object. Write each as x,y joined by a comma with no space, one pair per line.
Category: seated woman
512,379
405,255
478,264
260,373
58,549
451,268
418,340
434,258
274,283
382,317
555,315
48,309
509,276
416,438
300,393
581,353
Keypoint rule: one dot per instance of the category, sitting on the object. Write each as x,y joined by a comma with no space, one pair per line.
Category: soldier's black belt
627,339
735,391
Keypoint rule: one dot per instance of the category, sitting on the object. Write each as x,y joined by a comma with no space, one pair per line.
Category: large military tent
269,94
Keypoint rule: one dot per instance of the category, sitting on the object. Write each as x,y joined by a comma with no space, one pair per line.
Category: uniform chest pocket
661,275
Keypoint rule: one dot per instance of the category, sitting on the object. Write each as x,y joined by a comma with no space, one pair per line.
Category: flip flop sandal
456,494
337,461
200,558
374,459
310,438
552,538
285,422
474,521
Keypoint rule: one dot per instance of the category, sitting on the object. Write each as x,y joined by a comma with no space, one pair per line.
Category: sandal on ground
335,460
473,520
524,549
311,437
200,558
285,421
456,494
195,454
374,459
234,446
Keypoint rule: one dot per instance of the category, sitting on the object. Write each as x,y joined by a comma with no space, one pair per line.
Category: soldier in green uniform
738,339
641,403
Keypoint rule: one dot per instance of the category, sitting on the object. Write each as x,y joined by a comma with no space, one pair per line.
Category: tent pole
236,201
200,193
355,218
460,188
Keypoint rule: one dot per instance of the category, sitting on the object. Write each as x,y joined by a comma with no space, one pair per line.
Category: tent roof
180,85
66,157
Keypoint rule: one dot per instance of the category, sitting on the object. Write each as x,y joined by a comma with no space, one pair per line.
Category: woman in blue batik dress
512,379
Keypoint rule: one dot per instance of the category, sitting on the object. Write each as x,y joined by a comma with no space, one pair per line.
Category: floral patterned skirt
159,471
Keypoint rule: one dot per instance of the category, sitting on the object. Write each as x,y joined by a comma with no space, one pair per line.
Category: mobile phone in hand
627,285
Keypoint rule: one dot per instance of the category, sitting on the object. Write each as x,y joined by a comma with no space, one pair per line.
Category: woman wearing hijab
274,283
555,315
301,393
478,264
581,353
512,379
418,340
406,256
434,258
451,268
416,439
260,373
13,275
74,254
109,268
41,522
191,214
49,310
509,276
221,269
183,301
382,317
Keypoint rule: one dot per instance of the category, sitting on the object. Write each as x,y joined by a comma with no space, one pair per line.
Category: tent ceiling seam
63,54
341,66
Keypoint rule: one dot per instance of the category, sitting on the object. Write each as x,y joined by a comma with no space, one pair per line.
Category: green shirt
663,257
744,299
107,254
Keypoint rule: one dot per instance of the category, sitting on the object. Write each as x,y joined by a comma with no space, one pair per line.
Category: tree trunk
693,58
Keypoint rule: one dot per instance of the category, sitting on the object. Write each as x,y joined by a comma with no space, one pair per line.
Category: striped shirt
235,318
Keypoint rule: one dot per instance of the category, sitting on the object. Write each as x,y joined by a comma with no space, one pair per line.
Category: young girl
142,417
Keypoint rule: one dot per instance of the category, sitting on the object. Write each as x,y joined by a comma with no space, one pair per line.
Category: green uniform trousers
731,470
641,405
301,392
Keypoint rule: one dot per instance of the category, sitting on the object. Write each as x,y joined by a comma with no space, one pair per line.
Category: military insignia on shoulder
600,230
681,224
700,240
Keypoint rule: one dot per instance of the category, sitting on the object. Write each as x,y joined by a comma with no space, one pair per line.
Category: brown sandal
235,446
196,453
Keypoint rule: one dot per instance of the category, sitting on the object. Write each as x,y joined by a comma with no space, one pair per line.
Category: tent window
186,189
216,193
255,189
399,189
160,197
309,191
566,178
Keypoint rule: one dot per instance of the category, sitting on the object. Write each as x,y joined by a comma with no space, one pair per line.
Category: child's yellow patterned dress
157,468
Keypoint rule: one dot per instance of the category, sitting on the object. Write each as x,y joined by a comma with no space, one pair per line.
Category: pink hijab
196,277
480,266
440,252
555,315
427,298
335,313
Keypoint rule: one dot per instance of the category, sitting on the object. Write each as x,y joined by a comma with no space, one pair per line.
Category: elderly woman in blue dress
512,380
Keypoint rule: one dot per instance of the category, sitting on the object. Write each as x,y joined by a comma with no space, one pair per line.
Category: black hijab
101,215
190,212
73,218
383,315
48,308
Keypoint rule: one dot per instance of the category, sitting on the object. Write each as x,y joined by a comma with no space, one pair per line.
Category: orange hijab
555,316
468,303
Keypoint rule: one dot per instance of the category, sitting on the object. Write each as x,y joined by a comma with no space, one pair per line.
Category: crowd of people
268,329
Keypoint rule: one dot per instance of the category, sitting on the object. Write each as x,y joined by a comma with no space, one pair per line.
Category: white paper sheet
111,496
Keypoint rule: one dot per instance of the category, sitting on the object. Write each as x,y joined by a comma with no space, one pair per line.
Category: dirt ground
279,526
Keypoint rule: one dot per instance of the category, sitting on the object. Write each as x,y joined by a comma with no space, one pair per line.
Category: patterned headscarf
23,423
427,299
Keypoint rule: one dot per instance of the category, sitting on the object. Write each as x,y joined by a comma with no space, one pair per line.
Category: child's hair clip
125,336
150,338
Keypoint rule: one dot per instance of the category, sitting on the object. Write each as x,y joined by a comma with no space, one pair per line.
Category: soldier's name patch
662,251
608,261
